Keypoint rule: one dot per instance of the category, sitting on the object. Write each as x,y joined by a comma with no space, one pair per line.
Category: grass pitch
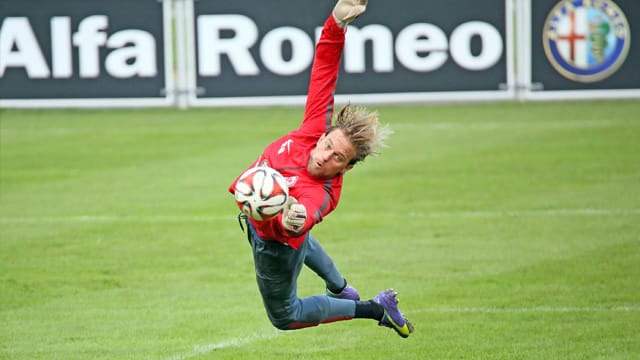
511,231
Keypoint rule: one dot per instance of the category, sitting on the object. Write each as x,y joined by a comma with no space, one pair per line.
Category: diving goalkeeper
314,159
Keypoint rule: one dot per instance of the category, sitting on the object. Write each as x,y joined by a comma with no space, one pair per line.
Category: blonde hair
363,130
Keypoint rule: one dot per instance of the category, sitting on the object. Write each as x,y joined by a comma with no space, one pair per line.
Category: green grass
511,231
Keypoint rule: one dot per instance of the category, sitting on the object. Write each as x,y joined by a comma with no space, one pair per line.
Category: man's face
331,155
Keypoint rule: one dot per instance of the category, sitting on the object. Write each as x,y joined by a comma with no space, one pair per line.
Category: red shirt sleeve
324,75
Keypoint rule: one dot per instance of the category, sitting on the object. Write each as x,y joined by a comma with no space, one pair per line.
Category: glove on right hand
294,215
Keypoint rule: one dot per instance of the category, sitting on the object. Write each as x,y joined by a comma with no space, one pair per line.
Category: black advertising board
265,48
81,49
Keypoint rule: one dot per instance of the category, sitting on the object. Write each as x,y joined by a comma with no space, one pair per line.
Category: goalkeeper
314,159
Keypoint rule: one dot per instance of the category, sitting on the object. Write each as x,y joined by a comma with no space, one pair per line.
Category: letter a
19,48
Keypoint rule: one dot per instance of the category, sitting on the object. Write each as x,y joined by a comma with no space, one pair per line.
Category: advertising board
85,53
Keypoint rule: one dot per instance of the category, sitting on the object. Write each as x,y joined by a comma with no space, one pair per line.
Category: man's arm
326,64
324,75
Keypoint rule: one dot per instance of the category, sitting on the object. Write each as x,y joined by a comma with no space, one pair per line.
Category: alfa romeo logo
586,40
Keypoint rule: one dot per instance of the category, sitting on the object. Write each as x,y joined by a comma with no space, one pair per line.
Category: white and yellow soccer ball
261,193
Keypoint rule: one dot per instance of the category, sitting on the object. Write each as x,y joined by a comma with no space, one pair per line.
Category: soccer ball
261,193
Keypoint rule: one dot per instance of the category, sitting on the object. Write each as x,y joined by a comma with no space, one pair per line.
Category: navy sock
369,310
338,291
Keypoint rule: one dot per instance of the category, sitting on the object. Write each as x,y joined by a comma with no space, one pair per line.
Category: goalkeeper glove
346,11
294,215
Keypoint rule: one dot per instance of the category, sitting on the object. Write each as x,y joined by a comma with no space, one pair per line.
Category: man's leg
319,261
277,269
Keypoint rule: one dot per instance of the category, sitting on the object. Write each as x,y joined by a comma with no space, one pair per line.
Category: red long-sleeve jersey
290,154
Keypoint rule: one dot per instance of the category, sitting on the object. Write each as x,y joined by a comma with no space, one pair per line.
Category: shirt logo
285,145
291,180
585,40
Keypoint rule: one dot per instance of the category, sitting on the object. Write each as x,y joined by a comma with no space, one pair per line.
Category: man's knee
282,321
283,317
282,324
290,324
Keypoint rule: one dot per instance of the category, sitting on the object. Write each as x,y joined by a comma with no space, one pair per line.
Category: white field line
524,310
493,125
233,342
213,218
530,213
240,341
112,219
489,125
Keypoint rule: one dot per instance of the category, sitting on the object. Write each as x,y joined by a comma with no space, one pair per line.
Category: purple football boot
348,293
392,317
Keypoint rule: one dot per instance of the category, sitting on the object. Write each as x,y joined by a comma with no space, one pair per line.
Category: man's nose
326,156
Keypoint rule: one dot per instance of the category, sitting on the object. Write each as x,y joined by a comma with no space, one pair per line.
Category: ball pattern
261,193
